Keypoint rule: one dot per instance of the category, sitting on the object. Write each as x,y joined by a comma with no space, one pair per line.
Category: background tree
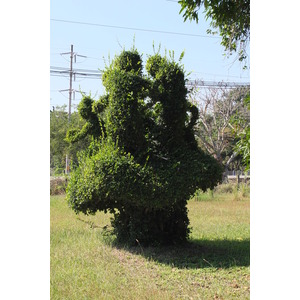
58,129
230,17
145,164
242,132
59,146
218,129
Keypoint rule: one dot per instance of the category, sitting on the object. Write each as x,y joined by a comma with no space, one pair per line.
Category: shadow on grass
197,254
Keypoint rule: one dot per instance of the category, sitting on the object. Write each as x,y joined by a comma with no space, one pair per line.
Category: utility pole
70,99
72,55
67,171
71,74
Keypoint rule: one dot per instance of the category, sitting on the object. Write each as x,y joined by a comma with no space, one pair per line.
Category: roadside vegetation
86,263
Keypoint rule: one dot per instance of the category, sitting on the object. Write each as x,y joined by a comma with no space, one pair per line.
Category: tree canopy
230,17
143,164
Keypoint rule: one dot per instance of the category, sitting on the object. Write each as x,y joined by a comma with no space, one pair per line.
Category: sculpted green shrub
143,164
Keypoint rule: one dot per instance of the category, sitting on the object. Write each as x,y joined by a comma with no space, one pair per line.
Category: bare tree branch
217,106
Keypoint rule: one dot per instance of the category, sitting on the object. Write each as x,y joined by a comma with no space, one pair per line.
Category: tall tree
218,129
230,17
144,164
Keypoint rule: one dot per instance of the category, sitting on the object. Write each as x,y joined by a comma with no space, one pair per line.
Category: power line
136,29
220,84
218,75
76,73
94,74
64,69
98,72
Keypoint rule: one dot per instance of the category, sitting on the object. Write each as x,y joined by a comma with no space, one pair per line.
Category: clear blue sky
203,53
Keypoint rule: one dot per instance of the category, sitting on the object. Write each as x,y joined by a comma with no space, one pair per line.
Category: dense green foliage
143,164
230,17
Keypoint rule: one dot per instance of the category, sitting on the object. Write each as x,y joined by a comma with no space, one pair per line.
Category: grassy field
215,264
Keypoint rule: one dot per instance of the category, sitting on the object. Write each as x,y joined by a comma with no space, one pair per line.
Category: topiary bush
143,164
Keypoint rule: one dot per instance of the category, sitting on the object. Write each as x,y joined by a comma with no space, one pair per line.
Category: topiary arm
194,115
75,135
